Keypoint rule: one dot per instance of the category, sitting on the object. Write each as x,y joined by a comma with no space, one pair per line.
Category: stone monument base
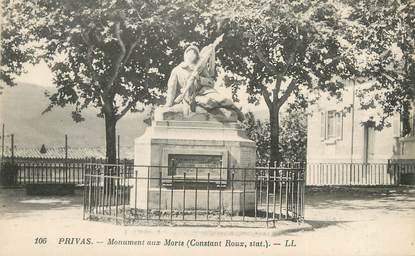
173,158
237,201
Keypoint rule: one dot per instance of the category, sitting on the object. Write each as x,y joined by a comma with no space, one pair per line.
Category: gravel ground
339,221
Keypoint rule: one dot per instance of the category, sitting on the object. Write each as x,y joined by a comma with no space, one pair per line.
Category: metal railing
318,174
49,171
358,174
46,172
146,195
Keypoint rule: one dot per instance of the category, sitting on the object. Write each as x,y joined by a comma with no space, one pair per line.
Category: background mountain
21,111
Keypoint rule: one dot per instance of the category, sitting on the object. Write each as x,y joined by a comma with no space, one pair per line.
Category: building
58,154
337,136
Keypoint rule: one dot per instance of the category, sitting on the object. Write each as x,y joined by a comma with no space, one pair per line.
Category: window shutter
326,119
371,142
412,123
322,126
396,126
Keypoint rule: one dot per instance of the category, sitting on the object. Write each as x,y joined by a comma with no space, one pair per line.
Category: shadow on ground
356,198
14,202
325,206
309,225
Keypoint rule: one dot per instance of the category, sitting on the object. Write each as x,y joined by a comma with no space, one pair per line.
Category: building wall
406,144
350,145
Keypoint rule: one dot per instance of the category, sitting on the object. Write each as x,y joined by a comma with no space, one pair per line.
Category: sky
39,75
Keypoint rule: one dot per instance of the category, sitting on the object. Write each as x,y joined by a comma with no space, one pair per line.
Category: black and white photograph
207,127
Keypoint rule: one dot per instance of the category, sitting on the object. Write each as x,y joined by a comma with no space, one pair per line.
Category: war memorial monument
195,143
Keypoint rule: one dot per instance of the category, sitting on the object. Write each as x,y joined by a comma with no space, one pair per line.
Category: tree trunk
111,155
275,157
110,138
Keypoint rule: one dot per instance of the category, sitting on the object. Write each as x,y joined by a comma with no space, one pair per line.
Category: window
323,126
339,125
410,128
413,124
331,125
405,125
369,143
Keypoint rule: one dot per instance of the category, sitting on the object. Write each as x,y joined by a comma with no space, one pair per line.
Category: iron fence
146,195
57,173
358,174
392,173
49,171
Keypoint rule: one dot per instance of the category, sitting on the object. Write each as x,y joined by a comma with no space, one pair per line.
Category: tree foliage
292,141
113,55
116,52
278,49
385,52
293,137
258,131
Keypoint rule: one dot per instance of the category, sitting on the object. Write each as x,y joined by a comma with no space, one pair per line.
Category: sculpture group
191,94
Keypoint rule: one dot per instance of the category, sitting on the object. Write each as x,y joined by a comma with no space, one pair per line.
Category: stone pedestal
222,147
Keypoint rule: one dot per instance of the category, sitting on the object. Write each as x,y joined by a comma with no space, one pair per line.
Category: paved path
339,222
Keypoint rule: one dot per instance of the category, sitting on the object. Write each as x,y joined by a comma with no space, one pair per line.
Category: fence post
274,195
397,173
66,158
267,199
126,191
118,149
2,142
220,196
303,187
12,146
84,195
197,170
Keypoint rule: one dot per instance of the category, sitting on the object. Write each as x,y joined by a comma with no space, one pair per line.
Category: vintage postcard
207,127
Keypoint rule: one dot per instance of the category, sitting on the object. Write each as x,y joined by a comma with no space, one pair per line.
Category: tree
293,137
113,55
258,131
292,140
276,49
386,50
